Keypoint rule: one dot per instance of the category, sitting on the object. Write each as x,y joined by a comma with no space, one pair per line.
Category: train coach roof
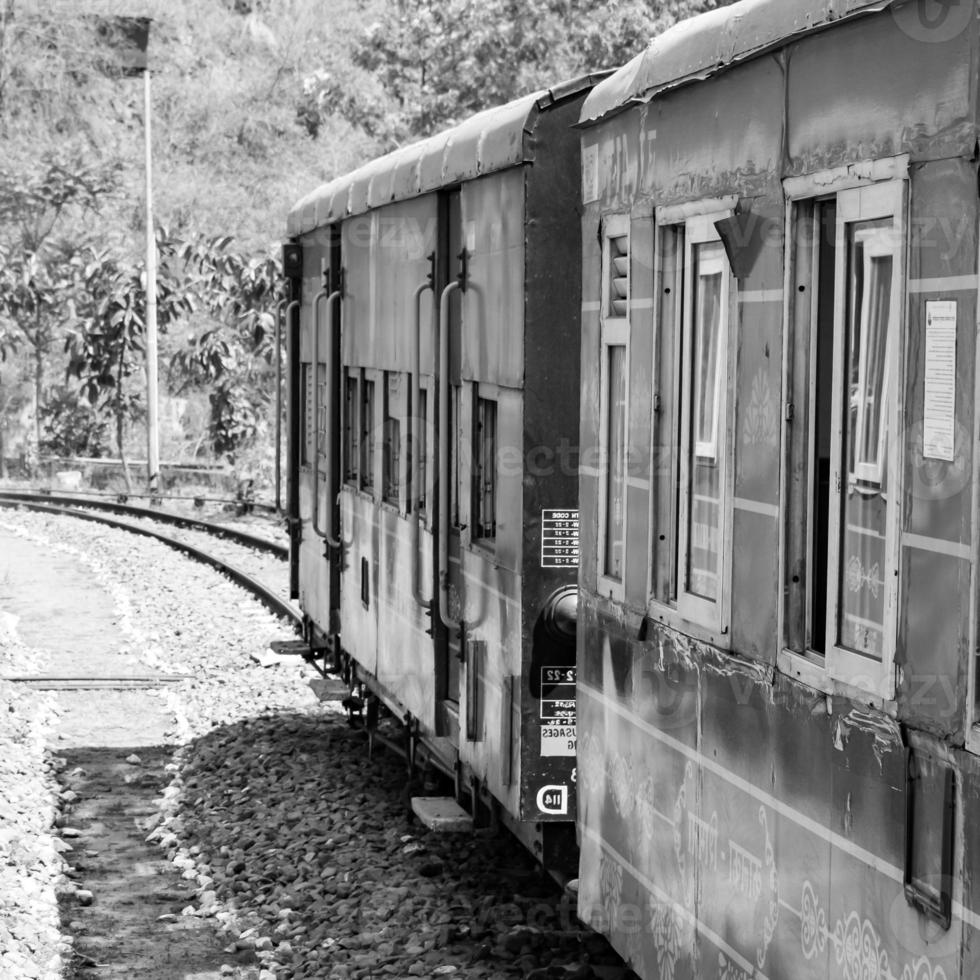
489,141
695,49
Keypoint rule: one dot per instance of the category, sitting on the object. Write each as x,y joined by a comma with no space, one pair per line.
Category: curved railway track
111,514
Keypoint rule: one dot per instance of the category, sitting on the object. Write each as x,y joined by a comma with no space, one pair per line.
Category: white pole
152,430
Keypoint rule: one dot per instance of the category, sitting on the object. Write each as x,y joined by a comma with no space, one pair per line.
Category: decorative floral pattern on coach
856,945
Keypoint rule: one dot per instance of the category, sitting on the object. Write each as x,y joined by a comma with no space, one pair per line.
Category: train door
316,450
448,635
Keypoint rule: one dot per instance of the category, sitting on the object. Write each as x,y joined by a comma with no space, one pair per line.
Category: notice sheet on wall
939,404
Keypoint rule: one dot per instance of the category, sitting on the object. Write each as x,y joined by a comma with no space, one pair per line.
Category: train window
841,539
423,450
703,387
322,410
455,395
692,497
351,427
485,471
614,372
367,434
391,482
306,435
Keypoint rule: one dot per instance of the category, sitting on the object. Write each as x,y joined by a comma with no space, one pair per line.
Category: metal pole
152,426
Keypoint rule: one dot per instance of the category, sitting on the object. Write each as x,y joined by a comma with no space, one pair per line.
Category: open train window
692,497
455,398
840,551
322,413
421,450
614,368
351,426
484,471
306,420
367,435
391,450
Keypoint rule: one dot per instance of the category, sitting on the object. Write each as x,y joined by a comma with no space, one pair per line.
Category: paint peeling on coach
777,755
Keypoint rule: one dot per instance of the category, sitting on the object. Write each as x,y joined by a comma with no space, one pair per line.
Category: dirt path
121,885
133,926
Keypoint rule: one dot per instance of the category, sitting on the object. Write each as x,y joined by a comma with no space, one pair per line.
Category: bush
71,427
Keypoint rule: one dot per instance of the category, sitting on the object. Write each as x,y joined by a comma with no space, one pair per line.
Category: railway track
177,532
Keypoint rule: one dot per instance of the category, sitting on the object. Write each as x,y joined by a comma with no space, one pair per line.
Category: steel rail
136,682
266,596
281,551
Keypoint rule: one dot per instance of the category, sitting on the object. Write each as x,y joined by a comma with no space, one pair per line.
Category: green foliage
71,427
424,64
108,345
233,355
255,102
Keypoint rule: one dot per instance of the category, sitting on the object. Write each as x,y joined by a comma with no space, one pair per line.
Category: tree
424,64
232,358
40,245
108,347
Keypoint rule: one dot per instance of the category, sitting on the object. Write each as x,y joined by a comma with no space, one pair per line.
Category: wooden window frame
711,614
691,225
613,332
858,200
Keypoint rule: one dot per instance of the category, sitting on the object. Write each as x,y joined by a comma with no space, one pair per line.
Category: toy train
632,466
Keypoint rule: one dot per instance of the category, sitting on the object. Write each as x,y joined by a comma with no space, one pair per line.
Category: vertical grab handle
315,371
325,533
444,436
283,311
416,421
332,538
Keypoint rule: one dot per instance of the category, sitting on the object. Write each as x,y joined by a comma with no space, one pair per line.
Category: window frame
613,332
422,463
351,461
393,451
306,429
854,205
711,614
482,397
369,444
884,194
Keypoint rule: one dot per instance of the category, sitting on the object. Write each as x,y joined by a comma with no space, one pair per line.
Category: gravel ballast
297,844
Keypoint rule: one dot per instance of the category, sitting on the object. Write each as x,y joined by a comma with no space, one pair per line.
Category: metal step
442,814
291,648
329,688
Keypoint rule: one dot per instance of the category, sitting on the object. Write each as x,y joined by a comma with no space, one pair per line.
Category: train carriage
777,765
434,513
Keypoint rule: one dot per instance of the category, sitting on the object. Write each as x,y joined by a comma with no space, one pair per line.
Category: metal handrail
281,307
330,535
315,370
414,507
444,444
290,355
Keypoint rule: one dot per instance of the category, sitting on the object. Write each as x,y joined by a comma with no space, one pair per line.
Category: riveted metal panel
493,304
385,258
